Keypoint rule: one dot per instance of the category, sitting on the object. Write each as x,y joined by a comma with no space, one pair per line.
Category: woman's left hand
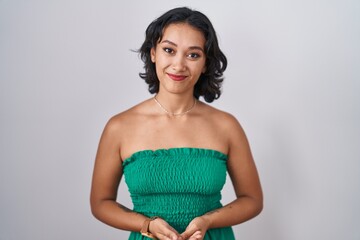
196,229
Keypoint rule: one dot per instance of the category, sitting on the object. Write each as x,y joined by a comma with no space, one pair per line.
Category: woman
173,149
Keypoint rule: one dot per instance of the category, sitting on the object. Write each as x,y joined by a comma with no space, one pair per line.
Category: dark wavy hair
209,84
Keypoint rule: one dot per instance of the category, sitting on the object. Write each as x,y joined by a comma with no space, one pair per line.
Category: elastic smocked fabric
177,184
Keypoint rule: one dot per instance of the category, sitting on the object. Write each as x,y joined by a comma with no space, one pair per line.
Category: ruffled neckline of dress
176,152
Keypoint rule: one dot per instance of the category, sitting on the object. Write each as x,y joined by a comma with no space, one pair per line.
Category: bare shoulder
227,126
122,122
224,120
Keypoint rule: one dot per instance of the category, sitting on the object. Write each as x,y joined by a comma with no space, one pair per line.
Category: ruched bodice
177,184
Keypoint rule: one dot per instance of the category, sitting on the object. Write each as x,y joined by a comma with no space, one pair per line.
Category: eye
193,55
168,50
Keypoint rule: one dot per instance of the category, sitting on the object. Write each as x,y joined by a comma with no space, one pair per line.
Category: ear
152,54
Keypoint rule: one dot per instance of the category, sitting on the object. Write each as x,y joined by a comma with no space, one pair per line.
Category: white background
293,81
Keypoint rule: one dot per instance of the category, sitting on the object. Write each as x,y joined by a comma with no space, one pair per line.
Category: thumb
189,232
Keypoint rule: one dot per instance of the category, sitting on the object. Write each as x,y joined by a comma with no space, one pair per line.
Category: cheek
161,61
199,68
159,70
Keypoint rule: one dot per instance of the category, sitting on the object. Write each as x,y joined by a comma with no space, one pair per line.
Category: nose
179,63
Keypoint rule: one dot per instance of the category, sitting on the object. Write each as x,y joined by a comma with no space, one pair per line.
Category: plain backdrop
293,82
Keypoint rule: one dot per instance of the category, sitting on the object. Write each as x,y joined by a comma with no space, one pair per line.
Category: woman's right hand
163,231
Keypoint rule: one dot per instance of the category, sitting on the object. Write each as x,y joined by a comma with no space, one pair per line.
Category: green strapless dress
177,184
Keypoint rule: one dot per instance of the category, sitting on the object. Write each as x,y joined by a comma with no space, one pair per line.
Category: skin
179,55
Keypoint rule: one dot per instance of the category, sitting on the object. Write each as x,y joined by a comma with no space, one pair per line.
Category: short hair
209,84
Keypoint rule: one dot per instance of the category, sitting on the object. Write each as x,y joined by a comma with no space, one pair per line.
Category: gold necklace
175,114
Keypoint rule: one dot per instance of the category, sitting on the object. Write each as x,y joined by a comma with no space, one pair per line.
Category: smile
176,77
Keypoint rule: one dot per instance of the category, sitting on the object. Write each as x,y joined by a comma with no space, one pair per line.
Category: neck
175,104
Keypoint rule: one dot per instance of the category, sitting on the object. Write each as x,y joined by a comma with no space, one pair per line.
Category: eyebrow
174,44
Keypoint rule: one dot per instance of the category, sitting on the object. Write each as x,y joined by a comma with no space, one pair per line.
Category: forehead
184,34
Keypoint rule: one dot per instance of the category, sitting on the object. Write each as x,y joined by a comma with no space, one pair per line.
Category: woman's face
179,58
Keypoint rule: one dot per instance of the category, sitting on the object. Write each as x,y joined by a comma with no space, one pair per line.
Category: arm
246,183
106,178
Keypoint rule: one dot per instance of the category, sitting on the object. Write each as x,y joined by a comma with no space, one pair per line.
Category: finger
187,234
196,235
192,235
170,233
162,237
167,237
195,238
163,230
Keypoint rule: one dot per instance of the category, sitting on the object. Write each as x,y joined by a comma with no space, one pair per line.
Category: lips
176,77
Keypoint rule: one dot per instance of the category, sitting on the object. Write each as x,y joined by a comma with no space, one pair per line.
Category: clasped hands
195,230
